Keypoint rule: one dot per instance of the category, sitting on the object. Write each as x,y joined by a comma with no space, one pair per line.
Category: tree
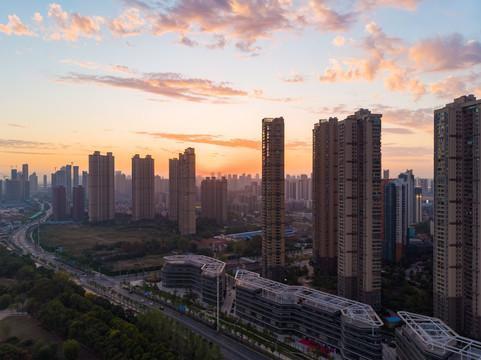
70,349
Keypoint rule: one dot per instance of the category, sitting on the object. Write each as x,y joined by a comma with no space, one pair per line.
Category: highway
230,349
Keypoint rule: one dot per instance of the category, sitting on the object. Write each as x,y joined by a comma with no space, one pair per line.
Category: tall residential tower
324,194
457,216
182,191
273,247
101,187
143,199
359,225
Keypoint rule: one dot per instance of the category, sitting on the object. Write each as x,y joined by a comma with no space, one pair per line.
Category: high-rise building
68,181
143,187
101,187
75,176
45,183
359,208
395,222
324,194
33,182
182,191
385,174
78,207
24,186
408,177
59,203
418,204
1,191
213,199
273,246
85,183
12,191
457,216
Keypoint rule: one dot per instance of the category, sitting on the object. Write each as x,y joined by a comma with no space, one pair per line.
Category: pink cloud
294,77
445,53
15,26
338,41
206,139
70,27
127,24
170,85
402,4
327,19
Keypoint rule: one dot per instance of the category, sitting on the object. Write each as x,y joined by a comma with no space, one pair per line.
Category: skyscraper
182,191
59,203
68,181
408,177
273,247
395,219
85,183
457,216
143,187
213,199
78,207
324,194
101,187
359,223
75,176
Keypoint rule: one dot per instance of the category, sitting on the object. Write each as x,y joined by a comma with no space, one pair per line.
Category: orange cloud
402,4
446,53
206,139
338,41
169,85
15,26
127,24
327,19
70,27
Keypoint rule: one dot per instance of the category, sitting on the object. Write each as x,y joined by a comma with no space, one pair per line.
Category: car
161,307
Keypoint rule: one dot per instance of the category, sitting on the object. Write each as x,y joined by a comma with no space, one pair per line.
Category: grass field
112,247
26,327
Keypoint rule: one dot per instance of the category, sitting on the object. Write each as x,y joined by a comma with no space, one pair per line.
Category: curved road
230,349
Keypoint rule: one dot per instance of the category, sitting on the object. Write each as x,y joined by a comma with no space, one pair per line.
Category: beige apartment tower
324,194
143,199
101,187
182,191
213,199
457,216
273,248
359,208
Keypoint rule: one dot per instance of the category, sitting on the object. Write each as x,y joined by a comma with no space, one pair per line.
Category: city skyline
119,77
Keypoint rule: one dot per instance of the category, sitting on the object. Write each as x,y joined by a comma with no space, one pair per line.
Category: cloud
120,68
15,26
398,131
451,87
37,17
16,125
184,40
70,27
85,64
338,41
206,139
413,153
294,77
170,85
444,53
259,94
26,144
128,24
419,119
370,5
220,43
328,19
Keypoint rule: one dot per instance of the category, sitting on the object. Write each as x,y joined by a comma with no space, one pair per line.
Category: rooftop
207,264
293,294
438,336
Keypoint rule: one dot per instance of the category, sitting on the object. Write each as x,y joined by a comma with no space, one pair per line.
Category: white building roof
295,294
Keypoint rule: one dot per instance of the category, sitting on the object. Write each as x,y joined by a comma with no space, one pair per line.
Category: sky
155,77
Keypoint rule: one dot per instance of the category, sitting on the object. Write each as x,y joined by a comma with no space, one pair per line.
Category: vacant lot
113,248
26,327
